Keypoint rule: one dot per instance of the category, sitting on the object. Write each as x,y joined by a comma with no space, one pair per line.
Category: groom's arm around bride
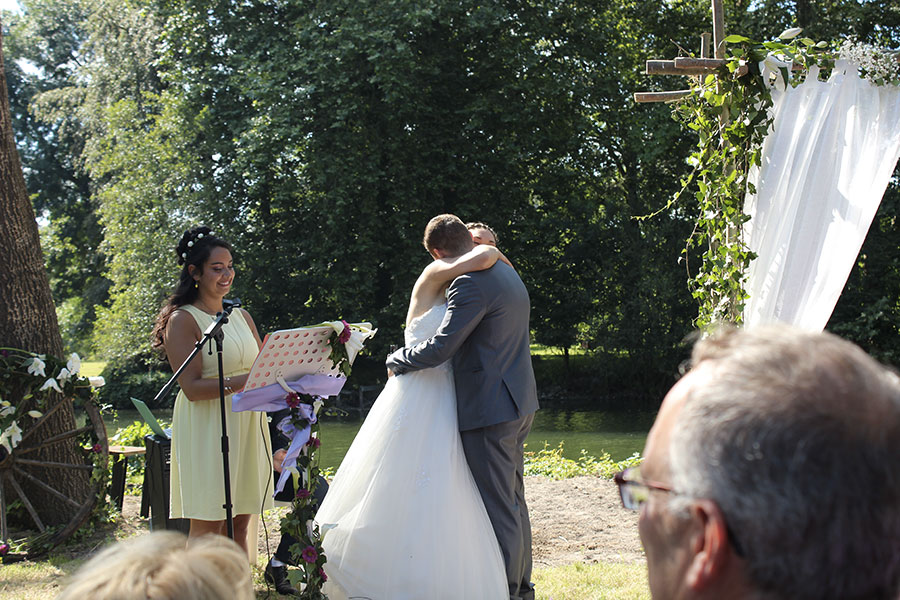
486,334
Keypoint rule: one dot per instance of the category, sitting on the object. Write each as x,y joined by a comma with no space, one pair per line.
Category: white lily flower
317,404
63,376
325,528
74,364
7,410
789,34
35,414
357,337
96,381
50,384
10,438
36,367
338,326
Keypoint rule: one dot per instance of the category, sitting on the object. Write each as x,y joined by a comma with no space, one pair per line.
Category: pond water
620,434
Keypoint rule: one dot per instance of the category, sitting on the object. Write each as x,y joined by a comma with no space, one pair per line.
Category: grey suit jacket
486,333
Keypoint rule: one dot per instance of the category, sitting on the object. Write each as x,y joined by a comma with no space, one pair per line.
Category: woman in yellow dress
197,489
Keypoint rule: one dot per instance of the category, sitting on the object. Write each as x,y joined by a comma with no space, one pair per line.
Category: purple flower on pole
4,549
309,554
314,442
344,337
293,399
322,574
97,448
303,493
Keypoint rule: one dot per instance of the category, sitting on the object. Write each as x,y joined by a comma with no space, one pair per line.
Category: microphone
228,305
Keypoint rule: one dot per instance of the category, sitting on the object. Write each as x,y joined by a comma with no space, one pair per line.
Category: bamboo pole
660,96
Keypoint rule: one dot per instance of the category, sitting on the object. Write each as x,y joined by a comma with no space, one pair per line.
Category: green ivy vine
729,111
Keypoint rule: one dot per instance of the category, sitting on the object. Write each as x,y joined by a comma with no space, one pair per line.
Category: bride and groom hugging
429,501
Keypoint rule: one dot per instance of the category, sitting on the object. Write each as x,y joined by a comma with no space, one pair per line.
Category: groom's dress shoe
277,576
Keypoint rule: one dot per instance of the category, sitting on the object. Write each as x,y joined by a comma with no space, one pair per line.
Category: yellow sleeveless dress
197,489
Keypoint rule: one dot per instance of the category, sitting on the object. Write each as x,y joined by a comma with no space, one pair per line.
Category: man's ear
709,545
437,253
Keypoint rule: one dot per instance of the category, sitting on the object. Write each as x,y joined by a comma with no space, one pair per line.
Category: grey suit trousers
496,457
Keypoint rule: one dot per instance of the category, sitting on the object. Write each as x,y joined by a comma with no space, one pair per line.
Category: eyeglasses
634,493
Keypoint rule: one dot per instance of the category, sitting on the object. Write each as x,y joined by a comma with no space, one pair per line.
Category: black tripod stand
213,332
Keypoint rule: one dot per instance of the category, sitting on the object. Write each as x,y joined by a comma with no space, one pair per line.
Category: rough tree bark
27,314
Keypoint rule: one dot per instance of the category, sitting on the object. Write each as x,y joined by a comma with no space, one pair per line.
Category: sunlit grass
541,350
92,368
597,581
35,580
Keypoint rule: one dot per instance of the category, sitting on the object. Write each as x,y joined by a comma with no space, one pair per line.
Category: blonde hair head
163,566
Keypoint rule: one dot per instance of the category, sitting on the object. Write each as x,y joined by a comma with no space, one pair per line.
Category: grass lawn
597,581
92,368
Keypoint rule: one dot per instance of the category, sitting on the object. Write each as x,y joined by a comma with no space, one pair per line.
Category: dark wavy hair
194,249
480,225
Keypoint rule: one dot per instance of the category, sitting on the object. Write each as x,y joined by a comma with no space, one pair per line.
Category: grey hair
796,436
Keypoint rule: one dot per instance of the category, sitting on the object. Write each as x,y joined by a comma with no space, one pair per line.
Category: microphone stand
213,332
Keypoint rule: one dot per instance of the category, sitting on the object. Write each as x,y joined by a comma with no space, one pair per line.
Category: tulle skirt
403,517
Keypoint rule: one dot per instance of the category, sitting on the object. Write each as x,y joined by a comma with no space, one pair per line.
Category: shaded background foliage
319,137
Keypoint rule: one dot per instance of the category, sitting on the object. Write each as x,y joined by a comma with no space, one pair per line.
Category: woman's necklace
203,306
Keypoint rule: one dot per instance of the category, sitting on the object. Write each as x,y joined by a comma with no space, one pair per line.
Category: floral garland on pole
24,375
346,340
730,112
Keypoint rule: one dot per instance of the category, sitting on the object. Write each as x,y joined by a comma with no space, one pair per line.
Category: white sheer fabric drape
825,166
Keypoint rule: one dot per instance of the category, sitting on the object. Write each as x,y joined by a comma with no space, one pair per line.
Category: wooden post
718,29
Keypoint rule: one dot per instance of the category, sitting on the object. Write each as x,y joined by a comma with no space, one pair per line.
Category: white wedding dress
403,518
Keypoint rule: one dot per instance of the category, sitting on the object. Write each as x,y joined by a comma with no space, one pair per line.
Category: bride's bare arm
438,274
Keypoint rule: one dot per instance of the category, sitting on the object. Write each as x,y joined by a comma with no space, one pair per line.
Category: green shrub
550,462
141,377
133,435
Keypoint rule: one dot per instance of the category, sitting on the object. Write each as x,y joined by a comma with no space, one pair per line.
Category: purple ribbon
273,397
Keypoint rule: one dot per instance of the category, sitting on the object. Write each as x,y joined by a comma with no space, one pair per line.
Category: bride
403,518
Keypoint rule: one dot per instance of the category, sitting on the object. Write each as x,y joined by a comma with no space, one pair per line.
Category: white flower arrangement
875,64
30,371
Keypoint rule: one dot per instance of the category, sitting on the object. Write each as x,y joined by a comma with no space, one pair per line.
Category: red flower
97,448
309,554
303,493
344,337
293,399
314,442
322,574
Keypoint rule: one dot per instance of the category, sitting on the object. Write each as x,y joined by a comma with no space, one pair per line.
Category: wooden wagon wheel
22,465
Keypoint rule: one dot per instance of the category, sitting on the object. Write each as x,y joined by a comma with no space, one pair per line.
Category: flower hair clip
196,239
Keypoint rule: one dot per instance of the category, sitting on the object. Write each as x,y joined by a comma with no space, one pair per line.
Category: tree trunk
27,315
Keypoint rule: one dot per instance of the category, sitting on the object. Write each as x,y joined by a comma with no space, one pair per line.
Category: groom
486,333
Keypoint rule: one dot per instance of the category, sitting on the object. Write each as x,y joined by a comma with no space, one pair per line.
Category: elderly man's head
773,471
